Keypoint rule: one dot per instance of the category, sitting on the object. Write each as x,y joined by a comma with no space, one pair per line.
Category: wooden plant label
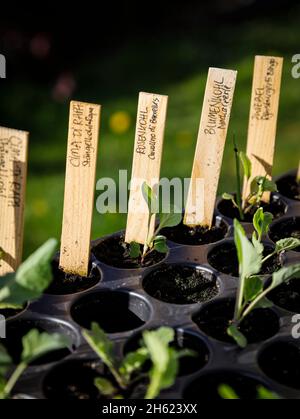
13,173
84,122
263,118
210,147
148,146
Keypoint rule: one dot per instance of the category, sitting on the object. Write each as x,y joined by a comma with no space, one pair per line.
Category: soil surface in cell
74,380
13,342
188,364
113,311
281,362
195,236
178,284
287,296
113,251
224,259
207,387
259,325
275,207
289,227
64,283
289,187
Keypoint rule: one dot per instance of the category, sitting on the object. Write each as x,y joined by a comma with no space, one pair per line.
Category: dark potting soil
224,259
207,387
183,340
259,325
74,380
113,311
289,187
13,342
287,296
289,227
195,236
179,284
275,207
64,284
113,251
281,362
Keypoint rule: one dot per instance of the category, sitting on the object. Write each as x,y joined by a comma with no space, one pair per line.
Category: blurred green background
46,70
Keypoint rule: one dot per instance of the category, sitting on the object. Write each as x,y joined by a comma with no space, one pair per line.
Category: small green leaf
133,362
36,344
164,359
150,198
228,196
287,244
246,163
264,184
104,386
171,219
227,392
135,250
262,221
160,244
250,260
35,273
284,275
264,394
257,244
263,303
253,287
100,343
240,339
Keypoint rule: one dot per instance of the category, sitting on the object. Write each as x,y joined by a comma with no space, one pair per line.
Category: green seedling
259,185
35,345
155,346
251,292
156,241
30,280
228,393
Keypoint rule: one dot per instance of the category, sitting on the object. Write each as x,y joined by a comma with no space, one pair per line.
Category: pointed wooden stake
210,147
149,136
83,135
13,173
263,118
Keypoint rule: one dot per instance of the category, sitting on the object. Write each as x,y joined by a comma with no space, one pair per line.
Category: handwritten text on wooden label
263,118
83,134
13,172
149,135
210,147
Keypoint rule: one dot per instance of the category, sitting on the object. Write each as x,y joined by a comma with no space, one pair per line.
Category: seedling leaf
160,244
150,198
135,250
240,339
171,219
227,392
133,362
287,244
228,196
36,344
250,260
104,386
253,287
246,163
262,221
284,275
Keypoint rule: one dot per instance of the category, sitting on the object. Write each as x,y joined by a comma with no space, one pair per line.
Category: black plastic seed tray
121,304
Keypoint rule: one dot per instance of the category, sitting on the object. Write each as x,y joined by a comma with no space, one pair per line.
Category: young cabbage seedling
155,346
156,241
259,185
252,293
35,345
30,280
